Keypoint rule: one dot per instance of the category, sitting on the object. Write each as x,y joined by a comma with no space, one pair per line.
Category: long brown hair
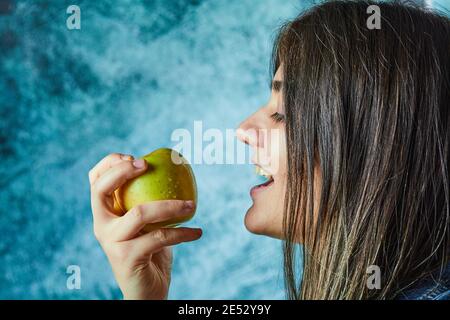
369,108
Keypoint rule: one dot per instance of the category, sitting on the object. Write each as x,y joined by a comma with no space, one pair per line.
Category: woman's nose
247,132
248,136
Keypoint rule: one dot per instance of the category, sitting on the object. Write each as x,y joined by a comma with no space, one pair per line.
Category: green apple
168,176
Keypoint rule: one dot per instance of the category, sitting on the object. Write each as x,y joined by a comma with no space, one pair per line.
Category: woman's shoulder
436,286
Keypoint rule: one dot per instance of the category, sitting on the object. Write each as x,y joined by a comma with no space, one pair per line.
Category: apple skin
163,180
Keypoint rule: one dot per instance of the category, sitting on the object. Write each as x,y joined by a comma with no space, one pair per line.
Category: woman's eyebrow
276,85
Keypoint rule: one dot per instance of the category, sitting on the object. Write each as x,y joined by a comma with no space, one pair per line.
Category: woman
359,175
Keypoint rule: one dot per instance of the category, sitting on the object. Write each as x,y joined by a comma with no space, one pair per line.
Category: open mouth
269,180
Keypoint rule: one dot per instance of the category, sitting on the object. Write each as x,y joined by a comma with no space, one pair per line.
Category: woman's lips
261,187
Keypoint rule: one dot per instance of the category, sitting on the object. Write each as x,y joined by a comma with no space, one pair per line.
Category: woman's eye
277,117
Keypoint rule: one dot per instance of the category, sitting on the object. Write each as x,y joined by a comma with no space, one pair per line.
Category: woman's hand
141,262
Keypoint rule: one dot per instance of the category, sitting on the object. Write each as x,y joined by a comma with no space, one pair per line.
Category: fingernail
126,157
139,163
188,204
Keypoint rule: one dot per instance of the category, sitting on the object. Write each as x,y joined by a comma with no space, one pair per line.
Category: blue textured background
135,71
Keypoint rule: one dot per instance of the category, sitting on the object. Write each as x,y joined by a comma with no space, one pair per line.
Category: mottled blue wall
137,70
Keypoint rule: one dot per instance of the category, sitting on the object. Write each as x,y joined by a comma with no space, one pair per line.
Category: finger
111,180
116,176
106,163
154,241
129,225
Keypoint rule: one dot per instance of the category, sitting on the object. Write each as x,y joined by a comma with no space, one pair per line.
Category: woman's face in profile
264,132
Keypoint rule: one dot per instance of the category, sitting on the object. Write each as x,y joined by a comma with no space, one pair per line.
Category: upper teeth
260,171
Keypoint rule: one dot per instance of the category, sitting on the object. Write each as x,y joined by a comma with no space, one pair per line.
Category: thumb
163,259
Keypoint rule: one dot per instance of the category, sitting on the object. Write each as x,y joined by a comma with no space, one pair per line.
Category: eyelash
277,117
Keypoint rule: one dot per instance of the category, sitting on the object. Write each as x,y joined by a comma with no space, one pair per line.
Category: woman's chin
256,223
252,222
